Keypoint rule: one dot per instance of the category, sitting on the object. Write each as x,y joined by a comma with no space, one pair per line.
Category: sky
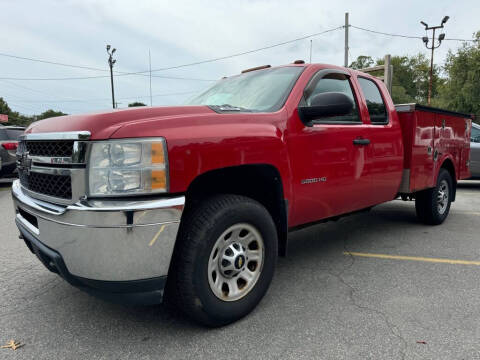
179,32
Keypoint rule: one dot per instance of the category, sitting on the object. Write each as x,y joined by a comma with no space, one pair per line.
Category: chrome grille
60,148
52,166
59,186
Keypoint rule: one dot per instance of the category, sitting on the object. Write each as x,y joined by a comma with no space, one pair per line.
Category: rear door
329,169
385,149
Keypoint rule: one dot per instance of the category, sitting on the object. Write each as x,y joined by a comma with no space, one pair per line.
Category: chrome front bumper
122,240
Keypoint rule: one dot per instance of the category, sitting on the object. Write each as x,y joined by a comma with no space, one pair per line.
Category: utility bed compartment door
452,140
418,131
422,174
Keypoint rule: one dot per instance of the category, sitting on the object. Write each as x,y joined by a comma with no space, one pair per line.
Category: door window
336,82
375,104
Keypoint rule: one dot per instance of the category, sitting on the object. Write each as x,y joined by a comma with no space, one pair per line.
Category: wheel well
260,182
448,165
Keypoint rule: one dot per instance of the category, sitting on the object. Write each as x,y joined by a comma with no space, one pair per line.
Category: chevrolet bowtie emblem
24,162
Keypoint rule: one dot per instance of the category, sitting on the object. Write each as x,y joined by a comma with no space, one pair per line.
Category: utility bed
430,136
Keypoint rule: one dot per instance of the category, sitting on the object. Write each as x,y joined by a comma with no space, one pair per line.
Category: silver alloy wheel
236,262
442,197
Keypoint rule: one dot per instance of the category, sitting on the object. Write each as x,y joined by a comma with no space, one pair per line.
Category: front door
329,158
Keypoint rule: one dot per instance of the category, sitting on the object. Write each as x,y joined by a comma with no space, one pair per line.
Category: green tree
410,76
4,108
49,113
461,91
362,62
136,103
15,118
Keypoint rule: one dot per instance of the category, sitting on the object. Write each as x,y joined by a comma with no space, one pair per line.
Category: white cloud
179,32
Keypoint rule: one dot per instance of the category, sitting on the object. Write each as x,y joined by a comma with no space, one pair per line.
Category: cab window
375,104
336,82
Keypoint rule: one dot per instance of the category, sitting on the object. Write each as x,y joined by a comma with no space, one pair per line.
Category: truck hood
103,124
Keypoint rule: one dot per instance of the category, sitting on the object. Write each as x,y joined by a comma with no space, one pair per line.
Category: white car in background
475,151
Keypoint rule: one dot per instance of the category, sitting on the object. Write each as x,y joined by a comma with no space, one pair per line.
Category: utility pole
345,63
433,47
150,66
111,62
311,44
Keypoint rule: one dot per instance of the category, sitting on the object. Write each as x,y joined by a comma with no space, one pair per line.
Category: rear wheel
224,260
433,205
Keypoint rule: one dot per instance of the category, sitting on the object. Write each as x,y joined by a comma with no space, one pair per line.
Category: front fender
204,143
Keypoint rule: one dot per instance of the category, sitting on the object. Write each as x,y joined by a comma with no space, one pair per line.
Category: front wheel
433,205
225,259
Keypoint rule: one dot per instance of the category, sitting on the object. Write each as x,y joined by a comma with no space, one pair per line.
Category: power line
386,34
247,52
101,77
34,90
144,72
107,99
52,62
403,36
118,73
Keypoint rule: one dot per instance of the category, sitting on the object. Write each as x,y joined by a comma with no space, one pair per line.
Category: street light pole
111,62
347,25
433,47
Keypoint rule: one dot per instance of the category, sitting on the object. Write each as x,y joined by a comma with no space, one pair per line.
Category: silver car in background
8,148
475,151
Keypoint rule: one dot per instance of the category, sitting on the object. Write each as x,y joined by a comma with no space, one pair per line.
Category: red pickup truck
207,193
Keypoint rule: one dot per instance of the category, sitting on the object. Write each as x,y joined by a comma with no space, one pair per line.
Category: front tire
433,205
224,260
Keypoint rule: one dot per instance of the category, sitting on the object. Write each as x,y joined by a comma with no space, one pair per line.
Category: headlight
132,166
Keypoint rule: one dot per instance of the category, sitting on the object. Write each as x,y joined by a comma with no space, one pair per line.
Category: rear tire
224,259
433,205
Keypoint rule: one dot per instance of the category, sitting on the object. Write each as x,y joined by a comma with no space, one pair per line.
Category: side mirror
476,139
325,105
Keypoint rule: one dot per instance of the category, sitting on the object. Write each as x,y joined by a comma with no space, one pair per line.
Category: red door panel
329,173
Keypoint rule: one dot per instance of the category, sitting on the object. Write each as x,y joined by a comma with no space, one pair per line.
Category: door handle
361,141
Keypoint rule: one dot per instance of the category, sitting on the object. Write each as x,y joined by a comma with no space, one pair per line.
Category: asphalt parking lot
377,285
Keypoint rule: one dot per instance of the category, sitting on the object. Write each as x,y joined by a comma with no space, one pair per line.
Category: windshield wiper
228,107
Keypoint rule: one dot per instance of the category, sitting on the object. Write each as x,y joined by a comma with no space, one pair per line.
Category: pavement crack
351,294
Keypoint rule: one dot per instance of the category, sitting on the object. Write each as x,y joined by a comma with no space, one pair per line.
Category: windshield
260,90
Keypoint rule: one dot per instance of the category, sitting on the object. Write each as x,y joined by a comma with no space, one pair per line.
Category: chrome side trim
107,226
100,205
67,135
